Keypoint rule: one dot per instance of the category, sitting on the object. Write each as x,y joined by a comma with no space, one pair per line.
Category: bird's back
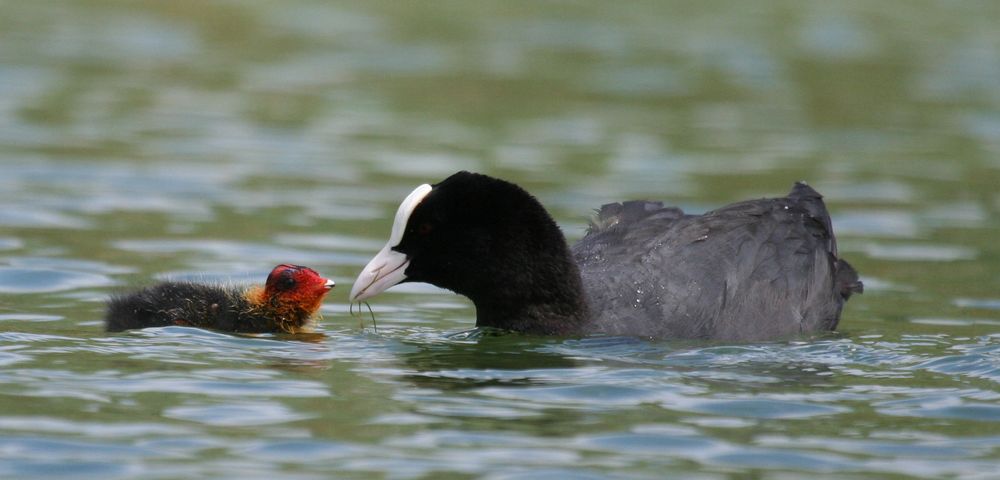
751,270
175,303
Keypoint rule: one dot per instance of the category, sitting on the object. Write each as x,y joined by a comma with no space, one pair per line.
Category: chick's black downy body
184,303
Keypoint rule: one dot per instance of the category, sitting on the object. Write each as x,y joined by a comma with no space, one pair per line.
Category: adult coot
752,270
286,303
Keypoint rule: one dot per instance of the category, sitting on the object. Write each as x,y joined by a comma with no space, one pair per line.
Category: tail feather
812,202
802,189
847,280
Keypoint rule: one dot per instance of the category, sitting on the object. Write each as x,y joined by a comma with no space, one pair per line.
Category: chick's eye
286,282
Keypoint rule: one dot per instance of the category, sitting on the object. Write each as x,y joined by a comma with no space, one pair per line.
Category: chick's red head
295,285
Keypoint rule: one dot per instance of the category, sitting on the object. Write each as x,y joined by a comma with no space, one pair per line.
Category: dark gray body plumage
759,269
183,303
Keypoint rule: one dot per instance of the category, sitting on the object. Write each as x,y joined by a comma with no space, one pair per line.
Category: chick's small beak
329,284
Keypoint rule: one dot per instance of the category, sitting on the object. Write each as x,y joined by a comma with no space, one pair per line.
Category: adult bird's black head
486,239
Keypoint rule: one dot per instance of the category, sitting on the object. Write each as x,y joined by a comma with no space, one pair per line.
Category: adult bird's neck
546,300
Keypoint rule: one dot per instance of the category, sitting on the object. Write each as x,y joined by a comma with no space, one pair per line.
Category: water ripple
241,414
38,280
210,140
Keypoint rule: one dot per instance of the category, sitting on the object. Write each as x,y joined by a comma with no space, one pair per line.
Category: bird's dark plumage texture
753,270
184,303
757,269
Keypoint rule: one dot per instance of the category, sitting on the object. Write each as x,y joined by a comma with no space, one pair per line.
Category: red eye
424,229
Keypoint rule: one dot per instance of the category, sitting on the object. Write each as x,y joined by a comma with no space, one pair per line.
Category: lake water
211,140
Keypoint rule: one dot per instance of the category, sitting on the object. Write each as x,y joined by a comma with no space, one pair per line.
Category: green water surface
211,140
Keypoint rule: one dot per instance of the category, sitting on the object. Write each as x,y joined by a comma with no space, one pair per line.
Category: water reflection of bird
752,270
287,303
502,360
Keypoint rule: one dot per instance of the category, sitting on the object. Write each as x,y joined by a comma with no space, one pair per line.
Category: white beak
385,270
389,266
